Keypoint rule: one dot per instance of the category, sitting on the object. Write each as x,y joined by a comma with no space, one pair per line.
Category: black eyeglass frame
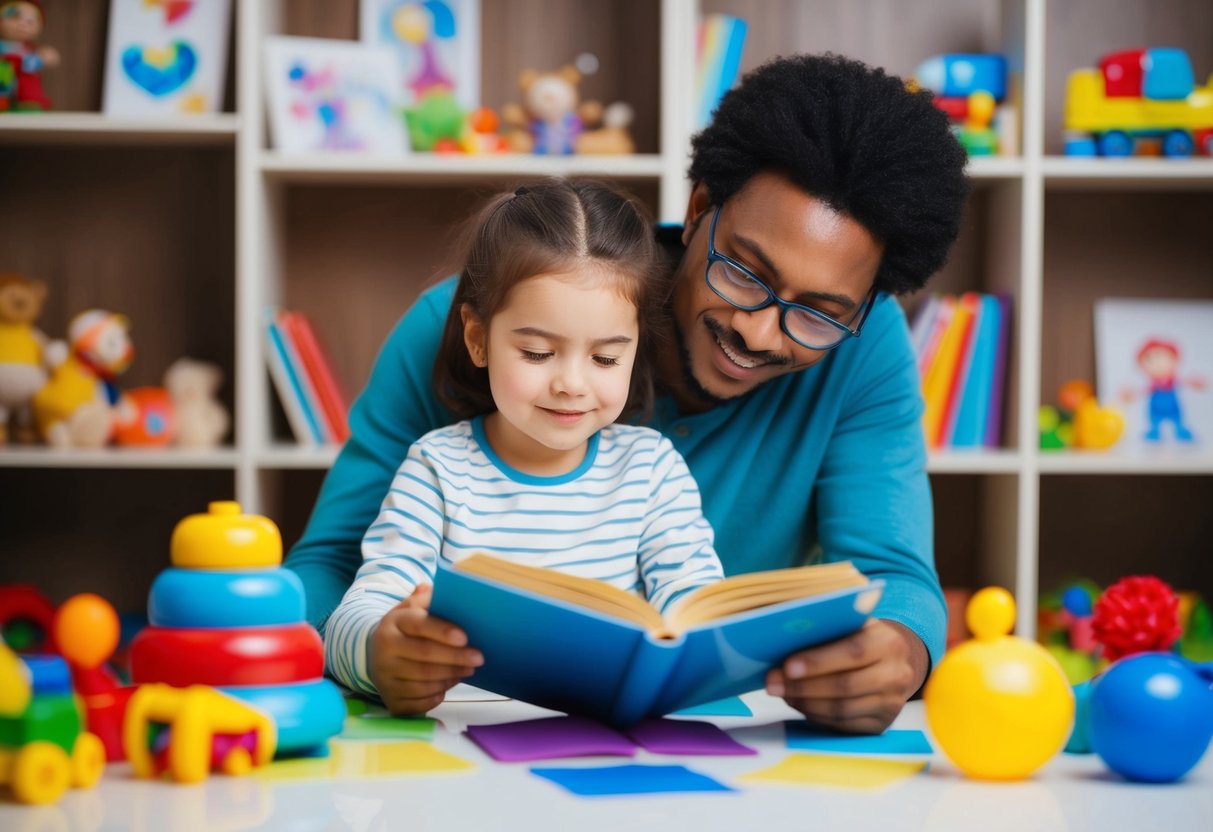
785,306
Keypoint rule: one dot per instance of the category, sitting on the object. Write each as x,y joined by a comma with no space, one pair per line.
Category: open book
583,646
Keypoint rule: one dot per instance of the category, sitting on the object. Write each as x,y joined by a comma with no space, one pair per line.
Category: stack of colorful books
315,406
962,348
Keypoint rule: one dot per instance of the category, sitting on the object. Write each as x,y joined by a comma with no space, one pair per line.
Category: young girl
545,347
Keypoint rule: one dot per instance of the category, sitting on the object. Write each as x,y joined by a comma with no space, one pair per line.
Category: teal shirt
828,462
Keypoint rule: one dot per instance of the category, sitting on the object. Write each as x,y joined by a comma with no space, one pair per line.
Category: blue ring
205,598
307,713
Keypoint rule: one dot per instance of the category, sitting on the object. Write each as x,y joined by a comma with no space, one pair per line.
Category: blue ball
1077,601
1150,717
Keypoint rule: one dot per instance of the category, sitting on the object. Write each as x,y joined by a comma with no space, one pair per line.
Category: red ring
228,656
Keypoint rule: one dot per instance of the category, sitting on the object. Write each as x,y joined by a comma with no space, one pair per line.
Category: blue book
970,427
290,388
585,647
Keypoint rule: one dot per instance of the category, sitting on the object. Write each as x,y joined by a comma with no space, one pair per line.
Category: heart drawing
160,72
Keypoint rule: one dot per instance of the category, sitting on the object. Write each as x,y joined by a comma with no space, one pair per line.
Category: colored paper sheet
835,770
805,737
387,728
550,738
355,760
732,706
680,736
630,779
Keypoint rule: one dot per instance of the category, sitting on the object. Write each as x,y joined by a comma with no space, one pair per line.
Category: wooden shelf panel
1134,173
172,458
425,168
98,129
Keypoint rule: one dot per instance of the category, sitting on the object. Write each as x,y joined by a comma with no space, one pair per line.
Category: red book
333,405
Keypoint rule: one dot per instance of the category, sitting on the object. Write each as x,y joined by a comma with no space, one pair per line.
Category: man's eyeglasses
803,324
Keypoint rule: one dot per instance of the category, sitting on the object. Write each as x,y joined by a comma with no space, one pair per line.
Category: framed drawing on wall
332,95
437,43
166,58
1154,362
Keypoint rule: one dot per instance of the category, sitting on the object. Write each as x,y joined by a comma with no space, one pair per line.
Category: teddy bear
552,120
76,407
22,363
202,421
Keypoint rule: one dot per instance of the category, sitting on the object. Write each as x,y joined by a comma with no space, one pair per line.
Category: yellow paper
837,770
356,760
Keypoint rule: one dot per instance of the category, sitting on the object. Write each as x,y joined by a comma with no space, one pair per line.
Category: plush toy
76,407
22,366
553,121
202,422
20,85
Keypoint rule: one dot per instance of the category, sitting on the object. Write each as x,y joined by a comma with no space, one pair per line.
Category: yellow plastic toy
206,727
43,747
223,538
999,706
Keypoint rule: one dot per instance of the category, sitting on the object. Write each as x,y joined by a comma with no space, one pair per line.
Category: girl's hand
415,658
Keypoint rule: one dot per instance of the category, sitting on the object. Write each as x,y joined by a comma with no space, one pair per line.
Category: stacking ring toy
256,656
202,598
307,714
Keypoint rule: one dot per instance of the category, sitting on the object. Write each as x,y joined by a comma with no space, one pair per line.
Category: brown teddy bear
552,120
22,360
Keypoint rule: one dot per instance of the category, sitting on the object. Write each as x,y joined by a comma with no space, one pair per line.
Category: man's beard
693,387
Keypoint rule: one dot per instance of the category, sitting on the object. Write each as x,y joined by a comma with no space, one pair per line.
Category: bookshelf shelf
175,458
98,129
194,228
458,170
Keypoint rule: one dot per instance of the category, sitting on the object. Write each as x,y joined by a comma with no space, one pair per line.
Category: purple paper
550,738
993,437
677,736
630,779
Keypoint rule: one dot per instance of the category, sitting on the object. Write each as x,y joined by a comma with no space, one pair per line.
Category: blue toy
1150,716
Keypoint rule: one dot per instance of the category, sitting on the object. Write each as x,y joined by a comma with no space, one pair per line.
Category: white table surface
1069,793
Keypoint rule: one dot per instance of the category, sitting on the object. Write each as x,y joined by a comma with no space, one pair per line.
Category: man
820,187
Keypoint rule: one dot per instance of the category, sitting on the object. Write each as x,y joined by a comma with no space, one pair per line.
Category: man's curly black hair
855,138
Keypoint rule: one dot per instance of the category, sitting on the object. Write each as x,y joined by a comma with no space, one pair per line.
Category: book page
586,592
741,593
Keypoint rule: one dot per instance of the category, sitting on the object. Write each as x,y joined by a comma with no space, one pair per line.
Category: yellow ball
999,706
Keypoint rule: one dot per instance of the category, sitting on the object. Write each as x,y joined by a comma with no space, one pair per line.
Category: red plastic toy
1136,615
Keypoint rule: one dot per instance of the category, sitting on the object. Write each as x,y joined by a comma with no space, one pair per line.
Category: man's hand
857,684
415,659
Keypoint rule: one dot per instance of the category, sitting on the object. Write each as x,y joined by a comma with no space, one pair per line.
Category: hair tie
521,191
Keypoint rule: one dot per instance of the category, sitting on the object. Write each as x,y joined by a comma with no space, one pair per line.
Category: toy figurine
998,674
20,24
22,363
552,121
201,420
1159,360
75,408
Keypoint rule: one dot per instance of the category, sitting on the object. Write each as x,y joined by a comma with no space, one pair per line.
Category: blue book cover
563,655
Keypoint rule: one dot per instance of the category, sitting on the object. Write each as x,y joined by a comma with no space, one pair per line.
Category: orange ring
229,656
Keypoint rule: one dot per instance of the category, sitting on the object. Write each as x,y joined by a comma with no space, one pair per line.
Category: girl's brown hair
546,228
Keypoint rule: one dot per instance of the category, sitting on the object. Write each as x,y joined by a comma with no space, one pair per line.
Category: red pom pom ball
1137,614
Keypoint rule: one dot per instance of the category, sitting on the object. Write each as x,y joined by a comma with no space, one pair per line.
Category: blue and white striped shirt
629,515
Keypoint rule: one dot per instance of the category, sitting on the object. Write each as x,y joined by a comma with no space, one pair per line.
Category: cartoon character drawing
1158,358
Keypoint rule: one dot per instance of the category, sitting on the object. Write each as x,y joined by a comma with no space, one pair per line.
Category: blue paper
630,779
732,706
803,737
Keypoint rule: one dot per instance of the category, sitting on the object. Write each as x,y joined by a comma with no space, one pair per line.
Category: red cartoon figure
1159,359
20,85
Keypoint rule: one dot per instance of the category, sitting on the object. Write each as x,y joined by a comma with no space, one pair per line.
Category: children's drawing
332,95
1155,358
166,57
437,44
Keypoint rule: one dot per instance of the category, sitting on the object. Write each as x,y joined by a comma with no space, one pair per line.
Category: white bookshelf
352,239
